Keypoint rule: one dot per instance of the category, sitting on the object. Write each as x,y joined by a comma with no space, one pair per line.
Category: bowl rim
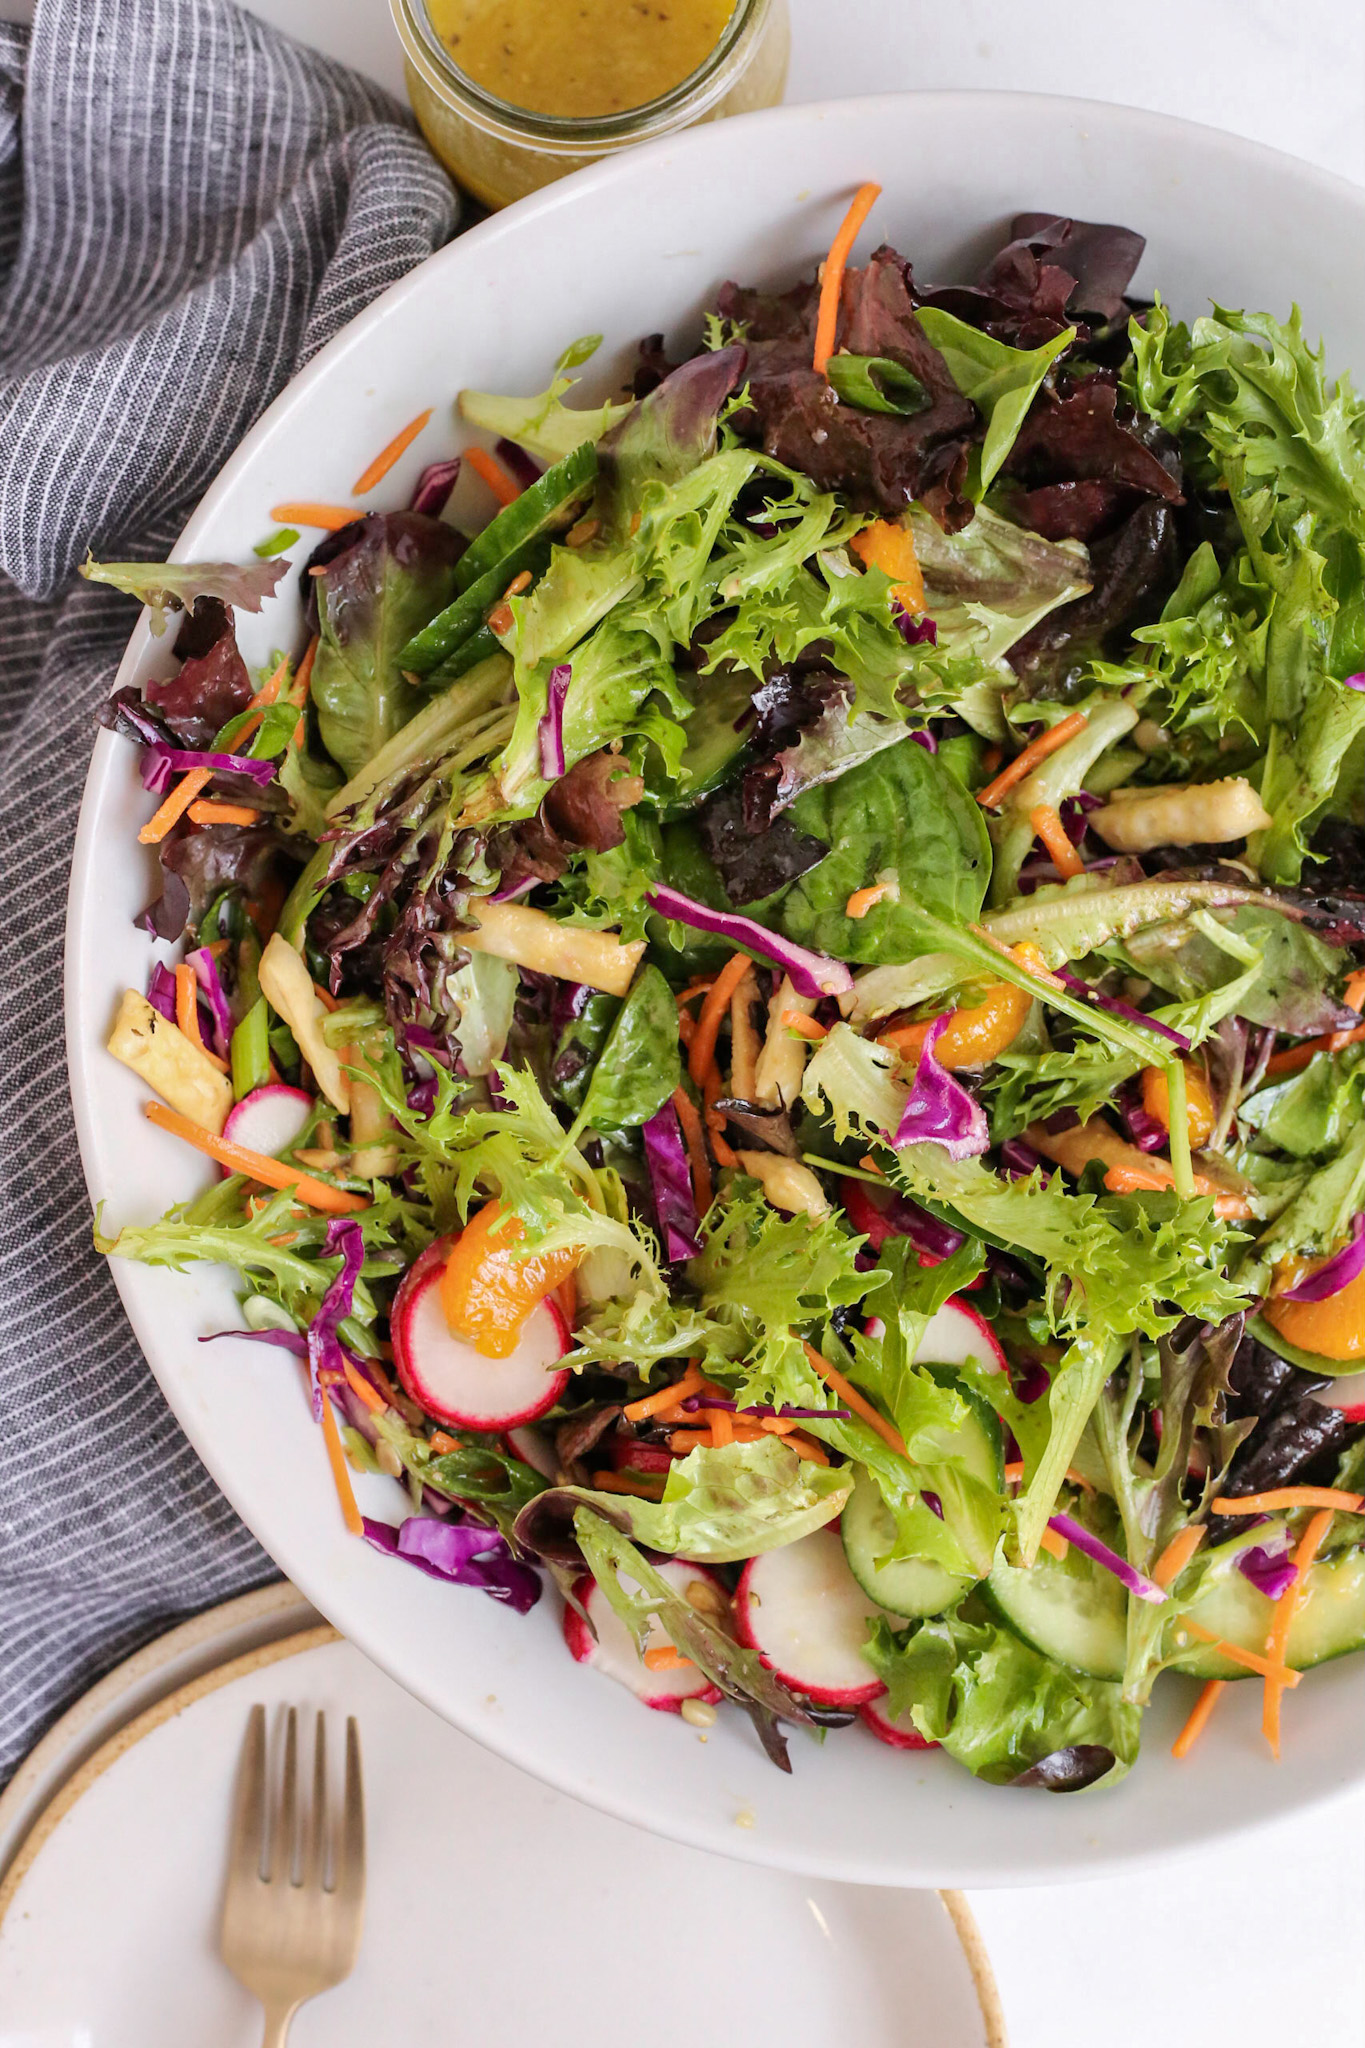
568,193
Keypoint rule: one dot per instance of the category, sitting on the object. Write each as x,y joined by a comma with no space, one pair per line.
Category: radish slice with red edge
452,1380
534,1448
952,1335
895,1733
270,1119
612,1649
806,1615
627,1455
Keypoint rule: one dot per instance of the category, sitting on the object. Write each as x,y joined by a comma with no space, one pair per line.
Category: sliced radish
458,1384
896,1734
952,1335
612,1649
1347,1394
270,1119
534,1449
806,1615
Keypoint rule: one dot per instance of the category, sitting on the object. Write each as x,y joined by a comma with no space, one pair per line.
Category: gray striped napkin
190,206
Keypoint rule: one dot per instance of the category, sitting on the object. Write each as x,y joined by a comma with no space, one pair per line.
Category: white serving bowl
628,248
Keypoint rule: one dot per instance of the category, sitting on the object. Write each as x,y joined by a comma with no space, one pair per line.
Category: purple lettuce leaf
212,684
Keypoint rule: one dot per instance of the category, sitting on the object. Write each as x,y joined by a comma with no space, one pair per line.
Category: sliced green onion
250,1050
283,537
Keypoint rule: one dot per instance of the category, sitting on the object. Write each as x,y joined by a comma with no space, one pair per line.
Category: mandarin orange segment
971,1037
891,549
1334,1328
1156,1100
487,1292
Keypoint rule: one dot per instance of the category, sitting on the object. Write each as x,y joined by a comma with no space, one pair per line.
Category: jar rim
577,131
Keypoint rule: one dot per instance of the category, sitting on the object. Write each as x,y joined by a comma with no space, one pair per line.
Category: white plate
627,248
497,1910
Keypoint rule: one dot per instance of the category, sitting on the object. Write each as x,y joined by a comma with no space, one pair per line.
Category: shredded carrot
712,1090
1014,1471
667,1660
832,276
713,1010
862,900
991,758
386,458
316,1194
361,1387
1024,763
696,1149
336,1458
187,1005
667,1397
722,1426
804,1027
1296,1056
644,1488
805,1447
206,813
441,1443
1277,1642
692,991
267,694
305,513
1354,994
382,1381
1048,825
503,486
1177,1555
851,1398
172,807
298,693
684,1440
1055,1545
1198,1721
776,1425
1290,1497
1235,1654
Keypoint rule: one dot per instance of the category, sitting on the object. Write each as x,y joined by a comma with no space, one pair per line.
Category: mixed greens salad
783,1015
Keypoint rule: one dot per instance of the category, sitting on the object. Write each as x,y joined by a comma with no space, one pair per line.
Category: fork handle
277,2023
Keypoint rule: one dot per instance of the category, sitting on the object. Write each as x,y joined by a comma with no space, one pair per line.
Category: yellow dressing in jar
583,57
511,94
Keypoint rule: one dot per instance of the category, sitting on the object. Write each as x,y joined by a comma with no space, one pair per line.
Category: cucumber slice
1067,1608
909,1587
467,655
1329,1620
1307,1361
544,507
715,747
433,647
915,1586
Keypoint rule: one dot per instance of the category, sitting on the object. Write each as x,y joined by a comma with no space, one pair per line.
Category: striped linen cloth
190,206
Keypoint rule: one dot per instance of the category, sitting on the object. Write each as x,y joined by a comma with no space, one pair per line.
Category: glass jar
500,152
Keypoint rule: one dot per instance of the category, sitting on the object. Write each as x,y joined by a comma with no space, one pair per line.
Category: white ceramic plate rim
329,1598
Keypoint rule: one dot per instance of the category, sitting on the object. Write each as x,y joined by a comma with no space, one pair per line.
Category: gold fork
288,1933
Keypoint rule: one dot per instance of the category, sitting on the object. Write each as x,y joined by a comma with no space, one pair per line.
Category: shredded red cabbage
1119,1009
1355,682
462,1554
1339,1271
810,974
1141,1587
924,738
160,764
939,1110
1018,1160
211,989
550,731
1271,1572
694,1402
507,891
284,1340
671,1180
434,486
324,1346
161,992
1144,1130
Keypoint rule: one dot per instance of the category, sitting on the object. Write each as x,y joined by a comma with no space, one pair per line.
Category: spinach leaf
1002,381
900,815
579,1047
638,1067
393,575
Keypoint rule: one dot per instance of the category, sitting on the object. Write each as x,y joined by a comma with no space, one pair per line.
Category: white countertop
1258,1944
